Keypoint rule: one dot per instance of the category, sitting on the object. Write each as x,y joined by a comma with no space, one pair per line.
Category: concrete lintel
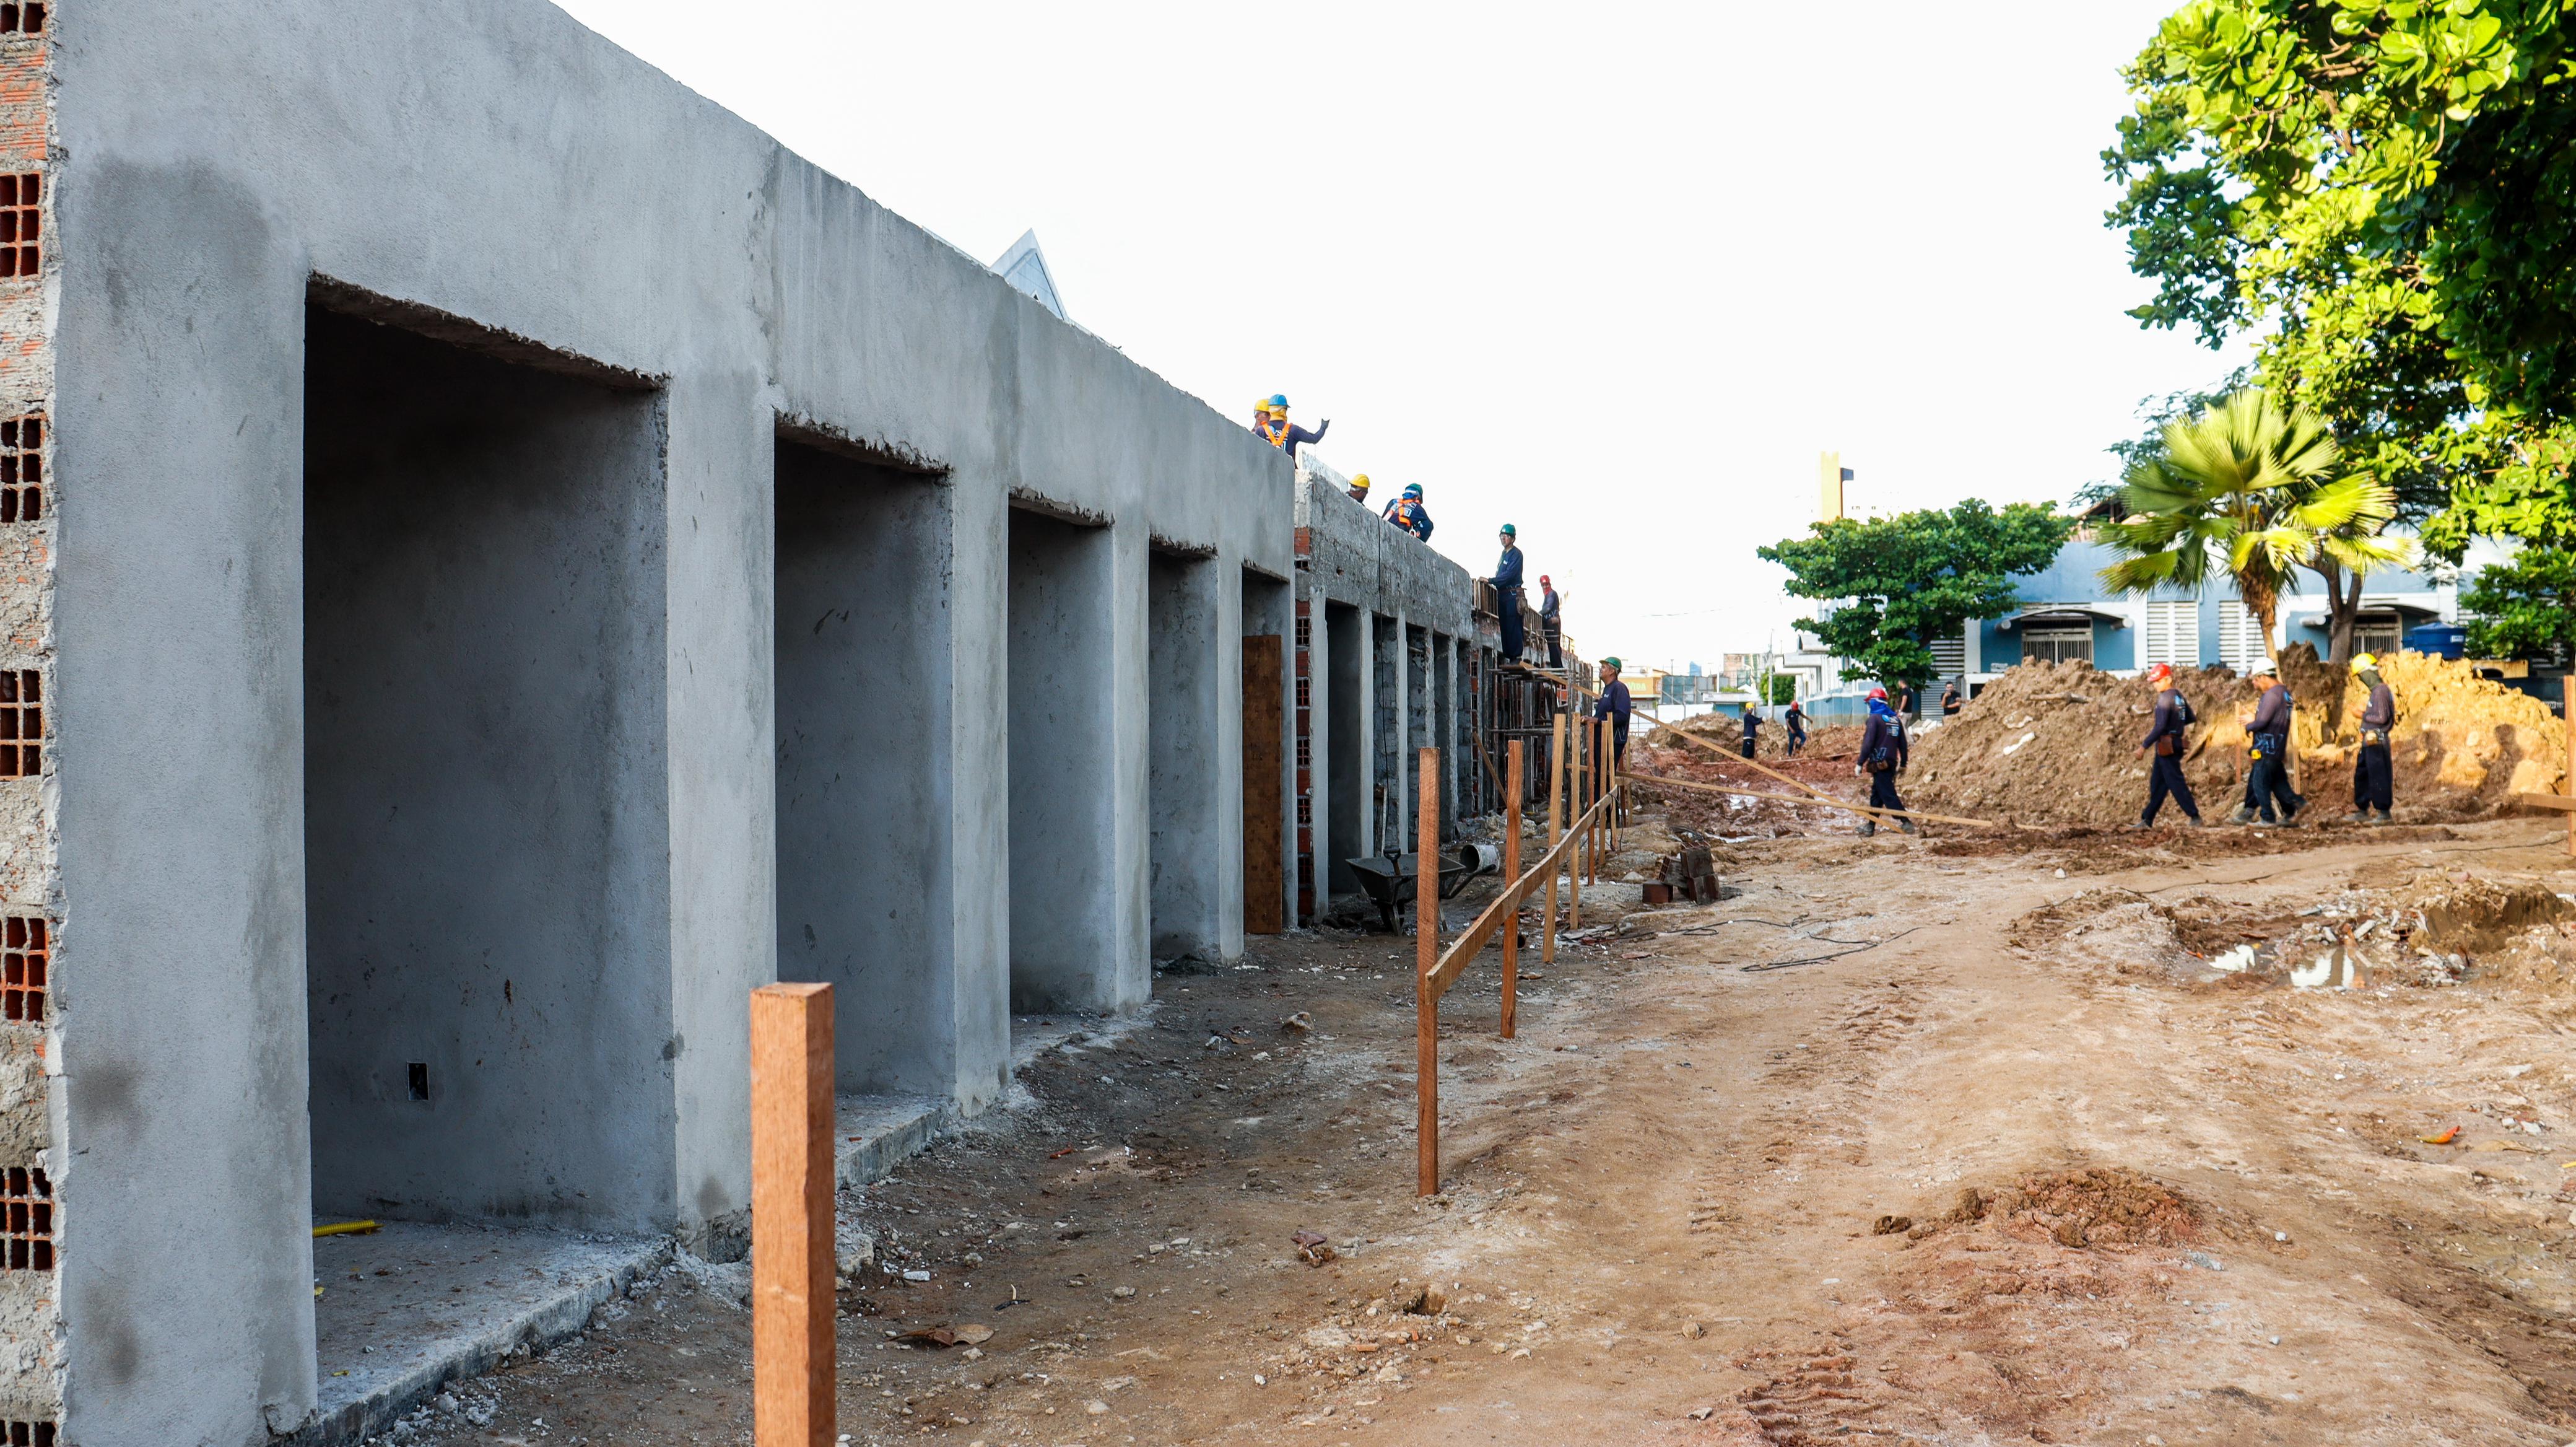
1026,499
332,294
1176,548
874,451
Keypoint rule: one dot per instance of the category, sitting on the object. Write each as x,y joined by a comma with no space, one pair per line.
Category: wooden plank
1265,882
1426,999
1755,764
1831,803
1513,755
2560,802
792,1353
1555,832
2567,712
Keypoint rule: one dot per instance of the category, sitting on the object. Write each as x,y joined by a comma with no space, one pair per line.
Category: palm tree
2250,490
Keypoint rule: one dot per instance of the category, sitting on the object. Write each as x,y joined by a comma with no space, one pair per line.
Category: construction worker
1796,719
2165,739
1882,758
1950,700
1551,621
1614,706
1407,512
1359,488
1909,702
1507,593
2267,740
2373,780
1752,721
1279,434
1261,420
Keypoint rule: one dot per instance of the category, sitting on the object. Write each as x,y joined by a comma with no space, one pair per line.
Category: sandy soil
1976,1174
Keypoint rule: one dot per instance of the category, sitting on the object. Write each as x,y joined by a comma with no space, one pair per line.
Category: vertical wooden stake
2567,707
1426,955
1555,832
1512,877
1600,762
1574,854
792,1357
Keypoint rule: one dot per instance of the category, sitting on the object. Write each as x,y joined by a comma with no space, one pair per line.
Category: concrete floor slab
407,1309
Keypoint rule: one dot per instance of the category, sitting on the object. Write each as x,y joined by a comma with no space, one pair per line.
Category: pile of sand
2054,743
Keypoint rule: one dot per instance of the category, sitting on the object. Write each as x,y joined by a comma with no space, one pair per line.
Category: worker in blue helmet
1407,512
1275,429
1507,593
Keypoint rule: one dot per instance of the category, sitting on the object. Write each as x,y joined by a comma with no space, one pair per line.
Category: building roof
1025,266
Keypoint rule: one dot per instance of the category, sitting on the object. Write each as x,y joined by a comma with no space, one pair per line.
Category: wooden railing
1582,845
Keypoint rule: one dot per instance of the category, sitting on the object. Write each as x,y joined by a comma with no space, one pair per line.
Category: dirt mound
2096,1206
1772,740
2054,743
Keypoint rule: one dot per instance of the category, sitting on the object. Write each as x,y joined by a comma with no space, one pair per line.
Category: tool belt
2371,736
2268,746
2167,746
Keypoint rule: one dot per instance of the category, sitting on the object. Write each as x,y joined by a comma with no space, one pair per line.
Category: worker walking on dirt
2165,740
1882,758
1551,621
1507,593
1752,721
1614,706
2373,776
1796,719
2267,739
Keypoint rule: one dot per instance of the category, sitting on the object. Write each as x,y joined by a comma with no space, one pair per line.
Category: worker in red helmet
1882,758
2165,740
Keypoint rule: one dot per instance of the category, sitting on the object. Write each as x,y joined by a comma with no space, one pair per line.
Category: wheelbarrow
1389,882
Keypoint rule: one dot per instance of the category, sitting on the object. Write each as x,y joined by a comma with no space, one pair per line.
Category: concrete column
1319,743
1400,772
979,909
1185,800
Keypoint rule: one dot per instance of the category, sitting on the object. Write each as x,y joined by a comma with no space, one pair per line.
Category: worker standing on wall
2373,775
1507,593
2165,740
1359,488
1551,621
1752,721
2267,740
1796,719
1407,512
1882,758
1279,434
1614,706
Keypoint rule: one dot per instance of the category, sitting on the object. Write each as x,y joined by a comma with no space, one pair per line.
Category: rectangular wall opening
1346,779
1184,786
1269,785
1063,767
485,807
863,671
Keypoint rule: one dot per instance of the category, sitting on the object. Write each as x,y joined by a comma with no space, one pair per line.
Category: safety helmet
2361,661
1510,532
2160,671
1611,663
1360,480
1543,581
1413,489
1878,694
1278,401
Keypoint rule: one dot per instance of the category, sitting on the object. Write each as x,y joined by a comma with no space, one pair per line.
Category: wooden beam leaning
1426,955
1512,758
792,1350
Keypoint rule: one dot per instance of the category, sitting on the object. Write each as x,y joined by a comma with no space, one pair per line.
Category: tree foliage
2387,189
1905,581
2524,608
2254,491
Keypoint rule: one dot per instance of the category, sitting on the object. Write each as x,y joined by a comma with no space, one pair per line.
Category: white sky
1613,273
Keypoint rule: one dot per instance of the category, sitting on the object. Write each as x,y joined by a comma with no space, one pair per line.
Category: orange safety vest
1276,439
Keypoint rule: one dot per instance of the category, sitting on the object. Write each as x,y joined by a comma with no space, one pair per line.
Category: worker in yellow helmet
1279,434
1359,487
2373,785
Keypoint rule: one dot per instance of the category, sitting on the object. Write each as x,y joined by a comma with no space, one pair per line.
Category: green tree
1780,688
2386,189
2252,490
2525,608
1905,581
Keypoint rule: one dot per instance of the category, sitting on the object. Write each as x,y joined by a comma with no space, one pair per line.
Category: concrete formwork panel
1185,809
1065,907
1344,791
866,861
484,787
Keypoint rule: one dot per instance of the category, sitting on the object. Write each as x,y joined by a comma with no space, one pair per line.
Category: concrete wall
867,873
1185,811
491,173
484,796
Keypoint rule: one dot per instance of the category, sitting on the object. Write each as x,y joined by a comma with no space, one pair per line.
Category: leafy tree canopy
1908,580
2525,608
2388,187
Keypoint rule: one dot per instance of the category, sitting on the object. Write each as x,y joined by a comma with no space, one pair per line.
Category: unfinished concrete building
505,559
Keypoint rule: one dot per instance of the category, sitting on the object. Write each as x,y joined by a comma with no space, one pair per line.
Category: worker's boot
2357,816
2244,815
2142,826
2193,821
1906,824
2383,818
1868,827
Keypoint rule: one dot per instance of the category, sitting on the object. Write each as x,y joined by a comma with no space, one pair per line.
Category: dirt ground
1946,1140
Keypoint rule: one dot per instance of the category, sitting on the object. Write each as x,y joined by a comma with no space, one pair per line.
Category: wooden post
2567,709
1426,954
1511,877
1574,853
792,1354
1555,831
1600,763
